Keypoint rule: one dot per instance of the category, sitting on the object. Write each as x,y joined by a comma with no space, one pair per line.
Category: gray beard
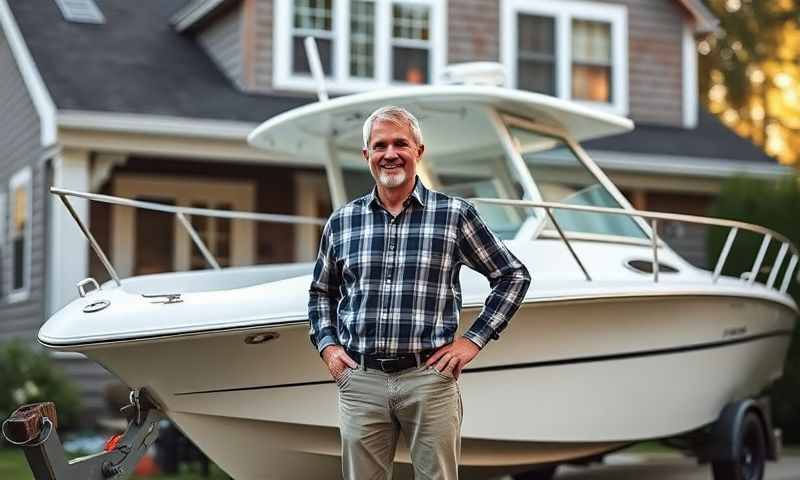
392,180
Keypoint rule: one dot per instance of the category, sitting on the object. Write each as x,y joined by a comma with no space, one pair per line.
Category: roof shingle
134,63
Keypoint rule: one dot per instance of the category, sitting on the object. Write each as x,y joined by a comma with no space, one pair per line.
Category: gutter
717,168
705,21
154,124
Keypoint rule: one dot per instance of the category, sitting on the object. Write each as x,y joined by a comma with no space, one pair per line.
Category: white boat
619,339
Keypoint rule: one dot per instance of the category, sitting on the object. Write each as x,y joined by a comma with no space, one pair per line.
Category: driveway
667,467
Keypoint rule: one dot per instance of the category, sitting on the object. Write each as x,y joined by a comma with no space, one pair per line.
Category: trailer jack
34,428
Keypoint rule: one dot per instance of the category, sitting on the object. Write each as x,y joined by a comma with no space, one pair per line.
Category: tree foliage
28,376
773,205
749,74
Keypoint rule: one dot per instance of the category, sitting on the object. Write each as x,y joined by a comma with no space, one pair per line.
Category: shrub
775,206
27,376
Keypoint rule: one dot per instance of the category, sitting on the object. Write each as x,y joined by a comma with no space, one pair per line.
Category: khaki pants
374,407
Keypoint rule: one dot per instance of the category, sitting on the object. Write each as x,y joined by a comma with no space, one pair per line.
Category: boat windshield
465,156
561,177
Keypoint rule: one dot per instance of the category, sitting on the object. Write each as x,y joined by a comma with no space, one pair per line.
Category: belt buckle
389,365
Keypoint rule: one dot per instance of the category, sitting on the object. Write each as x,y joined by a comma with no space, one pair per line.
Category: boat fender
726,433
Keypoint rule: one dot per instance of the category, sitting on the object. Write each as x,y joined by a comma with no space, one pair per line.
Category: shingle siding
20,146
222,40
655,61
262,44
473,31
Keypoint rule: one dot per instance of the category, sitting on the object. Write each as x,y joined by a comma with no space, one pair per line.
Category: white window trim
341,81
564,12
21,178
690,79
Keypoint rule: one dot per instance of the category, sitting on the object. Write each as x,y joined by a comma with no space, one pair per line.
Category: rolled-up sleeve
482,251
324,294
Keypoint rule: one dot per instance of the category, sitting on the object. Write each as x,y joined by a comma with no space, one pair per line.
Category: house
153,100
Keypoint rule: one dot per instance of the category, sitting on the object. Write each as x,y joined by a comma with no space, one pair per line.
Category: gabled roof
711,139
134,63
704,20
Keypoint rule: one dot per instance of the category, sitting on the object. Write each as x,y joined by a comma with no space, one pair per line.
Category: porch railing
653,218
180,214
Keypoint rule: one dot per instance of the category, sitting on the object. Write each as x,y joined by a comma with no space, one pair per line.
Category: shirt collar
419,193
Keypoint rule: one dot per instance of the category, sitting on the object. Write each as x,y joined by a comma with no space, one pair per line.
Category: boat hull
568,379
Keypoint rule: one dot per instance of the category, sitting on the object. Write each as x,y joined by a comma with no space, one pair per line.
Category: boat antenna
316,68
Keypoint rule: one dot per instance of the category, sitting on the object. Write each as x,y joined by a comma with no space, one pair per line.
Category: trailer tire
540,473
752,455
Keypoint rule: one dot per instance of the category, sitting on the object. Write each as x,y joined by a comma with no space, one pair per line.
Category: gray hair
392,114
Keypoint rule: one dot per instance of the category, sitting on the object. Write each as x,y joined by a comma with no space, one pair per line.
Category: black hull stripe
547,363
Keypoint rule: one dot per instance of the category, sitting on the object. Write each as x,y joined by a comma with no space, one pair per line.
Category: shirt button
388,280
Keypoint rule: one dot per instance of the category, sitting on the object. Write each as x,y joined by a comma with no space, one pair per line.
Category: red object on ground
112,442
146,467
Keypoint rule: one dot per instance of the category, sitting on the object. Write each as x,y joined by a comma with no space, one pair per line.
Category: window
19,234
536,52
312,18
591,61
362,43
362,39
162,245
571,50
411,43
216,235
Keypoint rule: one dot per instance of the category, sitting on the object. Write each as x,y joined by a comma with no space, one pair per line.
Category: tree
749,74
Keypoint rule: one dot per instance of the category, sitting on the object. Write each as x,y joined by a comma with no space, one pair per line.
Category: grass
13,466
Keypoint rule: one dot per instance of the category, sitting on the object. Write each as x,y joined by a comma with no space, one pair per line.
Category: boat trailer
34,428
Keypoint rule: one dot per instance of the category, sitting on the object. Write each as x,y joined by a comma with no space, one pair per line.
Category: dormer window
572,50
362,43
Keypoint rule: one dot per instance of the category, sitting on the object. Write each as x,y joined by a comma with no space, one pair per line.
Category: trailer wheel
541,473
752,453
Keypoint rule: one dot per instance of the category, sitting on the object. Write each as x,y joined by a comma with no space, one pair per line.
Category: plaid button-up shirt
389,285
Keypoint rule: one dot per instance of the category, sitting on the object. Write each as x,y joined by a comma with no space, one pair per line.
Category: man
384,307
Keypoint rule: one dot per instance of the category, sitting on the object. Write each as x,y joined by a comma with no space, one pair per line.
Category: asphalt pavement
667,467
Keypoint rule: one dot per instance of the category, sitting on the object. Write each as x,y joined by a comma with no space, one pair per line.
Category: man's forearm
322,318
506,296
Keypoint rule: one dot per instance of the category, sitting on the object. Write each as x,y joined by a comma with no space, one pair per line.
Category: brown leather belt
390,363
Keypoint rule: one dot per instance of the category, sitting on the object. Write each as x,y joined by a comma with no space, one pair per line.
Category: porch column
639,199
68,259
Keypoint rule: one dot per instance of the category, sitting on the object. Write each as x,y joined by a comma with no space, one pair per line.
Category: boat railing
734,226
181,214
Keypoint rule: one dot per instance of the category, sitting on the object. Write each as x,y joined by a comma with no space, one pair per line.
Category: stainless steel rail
179,212
735,226
767,237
